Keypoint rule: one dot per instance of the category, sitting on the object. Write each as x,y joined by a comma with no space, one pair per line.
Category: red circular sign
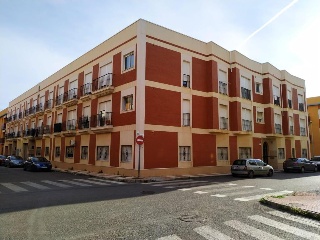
139,140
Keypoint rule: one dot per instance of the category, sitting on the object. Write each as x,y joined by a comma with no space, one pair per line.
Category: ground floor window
244,152
69,152
102,152
304,153
222,153
126,153
281,153
38,151
84,152
57,152
185,153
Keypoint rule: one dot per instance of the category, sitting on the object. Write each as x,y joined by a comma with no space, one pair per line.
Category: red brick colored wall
269,118
120,78
204,150
233,148
285,123
203,111
43,146
62,149
257,148
234,82
288,148
163,65
115,149
267,91
122,119
296,124
258,127
77,149
80,83
212,76
298,148
92,149
163,107
295,99
160,149
284,95
235,116
95,72
200,80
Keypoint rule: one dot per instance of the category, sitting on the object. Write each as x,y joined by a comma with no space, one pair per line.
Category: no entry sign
139,140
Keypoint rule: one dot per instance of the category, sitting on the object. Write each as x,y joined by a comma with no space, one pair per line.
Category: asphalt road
52,205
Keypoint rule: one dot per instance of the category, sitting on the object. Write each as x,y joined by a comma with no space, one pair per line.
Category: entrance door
265,152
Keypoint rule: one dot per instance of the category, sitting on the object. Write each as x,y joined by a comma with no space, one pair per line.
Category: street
53,205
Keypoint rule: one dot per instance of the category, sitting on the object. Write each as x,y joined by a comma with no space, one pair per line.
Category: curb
293,209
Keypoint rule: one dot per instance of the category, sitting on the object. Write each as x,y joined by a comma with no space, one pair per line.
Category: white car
251,167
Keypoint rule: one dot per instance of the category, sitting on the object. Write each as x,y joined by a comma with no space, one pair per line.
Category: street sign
139,140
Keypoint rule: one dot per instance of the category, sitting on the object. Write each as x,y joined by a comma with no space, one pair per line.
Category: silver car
251,167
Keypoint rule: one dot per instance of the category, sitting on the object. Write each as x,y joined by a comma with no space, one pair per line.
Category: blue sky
39,37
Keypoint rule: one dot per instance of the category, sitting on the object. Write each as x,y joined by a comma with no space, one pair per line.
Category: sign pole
139,162
139,141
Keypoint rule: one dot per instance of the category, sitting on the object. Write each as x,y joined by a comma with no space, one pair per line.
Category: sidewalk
302,203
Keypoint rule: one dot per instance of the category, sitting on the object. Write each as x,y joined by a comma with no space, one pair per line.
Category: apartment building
3,120
198,106
313,105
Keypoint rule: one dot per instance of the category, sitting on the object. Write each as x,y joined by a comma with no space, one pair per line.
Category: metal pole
139,162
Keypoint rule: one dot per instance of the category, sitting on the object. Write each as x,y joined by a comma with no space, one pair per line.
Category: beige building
3,120
314,125
198,106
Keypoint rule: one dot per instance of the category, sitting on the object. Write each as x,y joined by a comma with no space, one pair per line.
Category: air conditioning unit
72,143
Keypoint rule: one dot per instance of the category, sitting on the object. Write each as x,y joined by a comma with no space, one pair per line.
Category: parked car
299,164
2,160
37,163
14,161
251,167
316,160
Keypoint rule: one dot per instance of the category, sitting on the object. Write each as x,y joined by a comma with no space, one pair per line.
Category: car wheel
250,174
270,173
285,170
234,175
302,170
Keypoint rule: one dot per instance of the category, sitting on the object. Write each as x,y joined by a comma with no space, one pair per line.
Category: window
84,152
244,152
128,61
102,152
260,117
304,153
57,152
127,103
69,152
246,119
223,113
277,123
281,153
276,95
222,153
46,152
302,127
258,87
223,82
184,153
186,74
245,84
38,151
126,153
186,112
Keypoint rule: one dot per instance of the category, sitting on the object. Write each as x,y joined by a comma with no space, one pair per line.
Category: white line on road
93,182
266,189
35,185
56,184
302,220
200,192
109,181
13,187
211,234
218,195
76,183
248,186
178,183
255,197
171,237
285,227
251,231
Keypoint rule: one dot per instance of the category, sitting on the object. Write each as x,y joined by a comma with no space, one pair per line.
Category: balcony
10,136
246,125
38,132
277,128
85,92
59,101
301,107
102,123
102,86
48,105
30,112
57,128
20,115
186,80
223,123
69,127
245,93
289,103
302,131
291,130
31,133
39,109
223,88
276,100
186,119
14,117
47,131
84,124
9,119
70,98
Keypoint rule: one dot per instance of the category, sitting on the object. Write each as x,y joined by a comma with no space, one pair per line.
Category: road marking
302,220
178,183
243,192
218,195
248,186
93,182
251,231
171,237
266,189
168,181
35,185
200,192
211,234
14,187
255,197
76,183
109,181
285,227
56,184
232,184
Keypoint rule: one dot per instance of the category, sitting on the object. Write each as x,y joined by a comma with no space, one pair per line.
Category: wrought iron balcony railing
39,107
302,131
276,100
301,107
59,99
47,129
291,130
246,125
71,94
86,89
84,122
277,128
102,82
289,103
71,124
223,88
48,104
223,123
101,120
186,119
245,93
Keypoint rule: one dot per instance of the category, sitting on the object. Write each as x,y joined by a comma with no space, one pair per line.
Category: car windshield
239,162
316,159
293,159
16,158
40,159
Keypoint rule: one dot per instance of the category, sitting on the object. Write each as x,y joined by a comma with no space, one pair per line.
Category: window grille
222,153
244,152
84,152
69,152
102,152
57,152
184,153
281,153
126,153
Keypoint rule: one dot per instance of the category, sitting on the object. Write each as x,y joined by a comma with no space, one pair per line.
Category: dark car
14,161
2,160
316,160
37,163
299,164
